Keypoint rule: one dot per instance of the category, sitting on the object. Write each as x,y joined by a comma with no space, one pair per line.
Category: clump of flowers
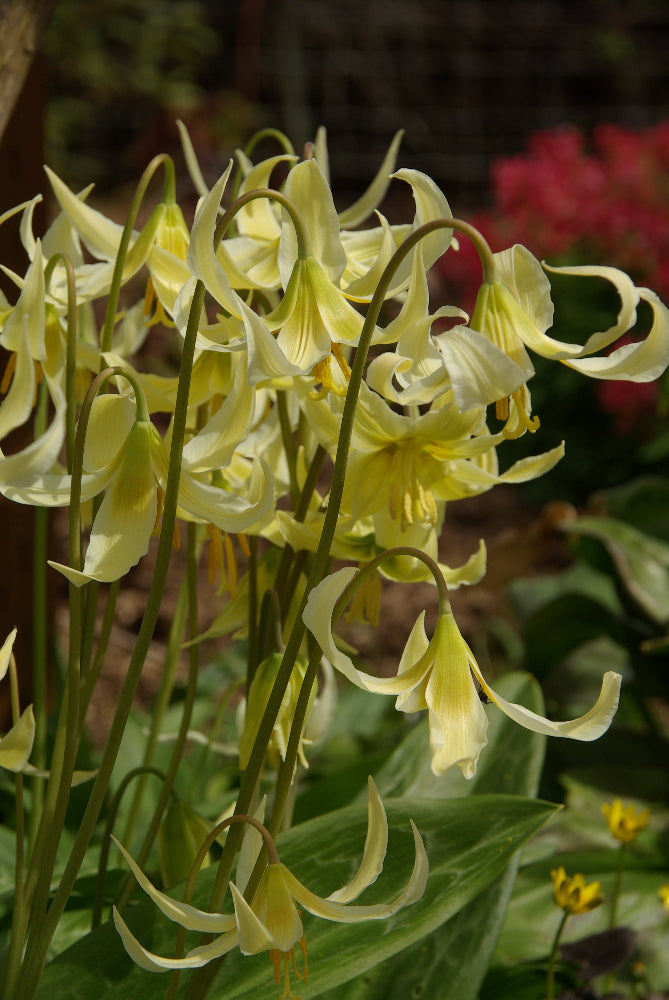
273,301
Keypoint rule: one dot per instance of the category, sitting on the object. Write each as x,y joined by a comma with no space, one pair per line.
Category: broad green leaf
562,625
450,963
642,503
469,842
641,561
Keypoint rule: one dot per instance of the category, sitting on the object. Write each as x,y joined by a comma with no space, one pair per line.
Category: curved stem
124,244
373,564
303,249
481,245
106,837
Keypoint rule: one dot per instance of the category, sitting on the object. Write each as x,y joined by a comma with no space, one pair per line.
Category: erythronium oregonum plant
317,414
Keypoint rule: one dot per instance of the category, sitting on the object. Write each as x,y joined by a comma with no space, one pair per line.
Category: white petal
361,209
156,963
181,913
342,913
253,935
376,844
17,745
6,653
588,727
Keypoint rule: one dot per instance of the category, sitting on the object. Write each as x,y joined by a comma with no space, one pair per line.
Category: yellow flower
624,822
663,893
573,895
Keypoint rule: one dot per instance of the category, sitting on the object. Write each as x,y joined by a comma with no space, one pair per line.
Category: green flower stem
550,974
202,979
106,837
373,564
269,133
39,941
283,584
40,625
288,445
19,911
615,896
126,236
285,779
90,679
161,704
263,133
186,714
252,660
482,248
303,248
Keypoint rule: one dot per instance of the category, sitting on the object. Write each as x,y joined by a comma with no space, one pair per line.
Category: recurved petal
156,963
588,727
638,362
317,616
260,219
181,913
111,420
20,471
6,652
376,844
361,209
629,299
17,745
100,234
202,260
229,511
329,909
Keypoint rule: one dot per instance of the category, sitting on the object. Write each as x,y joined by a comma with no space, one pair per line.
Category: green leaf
641,561
642,503
469,842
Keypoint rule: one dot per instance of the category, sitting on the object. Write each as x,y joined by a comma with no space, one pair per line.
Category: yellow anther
525,421
341,361
366,603
153,307
215,554
322,373
10,368
231,564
